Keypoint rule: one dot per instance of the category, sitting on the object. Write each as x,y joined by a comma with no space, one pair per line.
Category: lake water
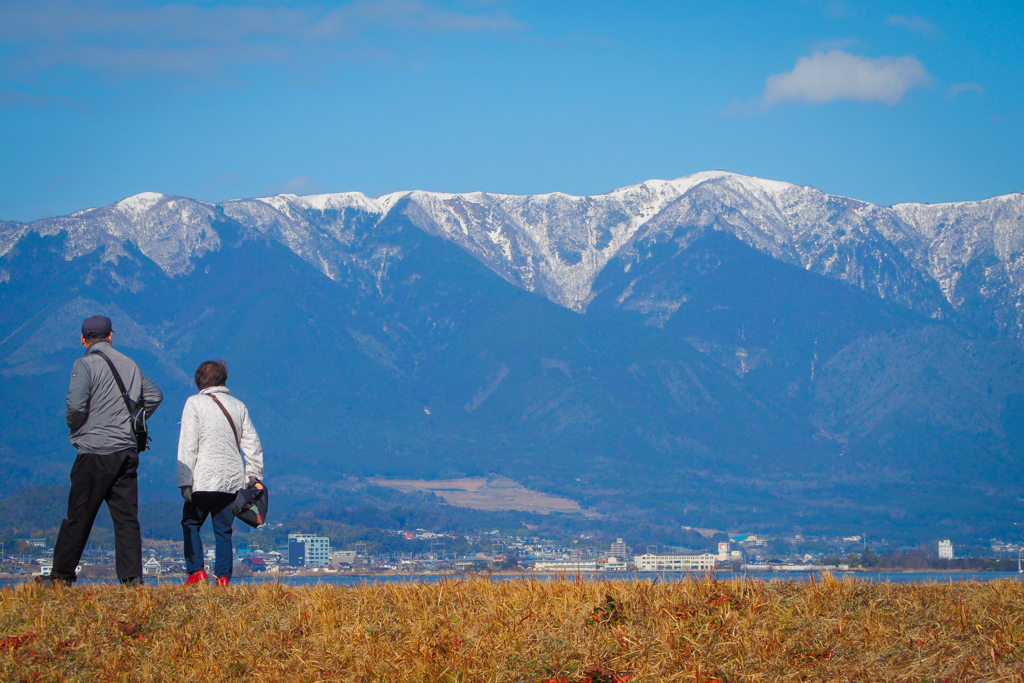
335,580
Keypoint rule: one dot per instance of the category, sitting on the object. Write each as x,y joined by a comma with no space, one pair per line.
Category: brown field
496,493
476,630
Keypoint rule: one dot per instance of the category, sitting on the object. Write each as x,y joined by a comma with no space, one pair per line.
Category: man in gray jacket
106,468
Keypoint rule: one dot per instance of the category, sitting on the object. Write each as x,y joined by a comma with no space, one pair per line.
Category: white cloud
229,178
915,24
741,109
836,44
9,97
961,88
837,75
124,37
300,185
839,9
416,15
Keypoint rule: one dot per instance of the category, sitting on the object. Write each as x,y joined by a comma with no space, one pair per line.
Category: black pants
94,479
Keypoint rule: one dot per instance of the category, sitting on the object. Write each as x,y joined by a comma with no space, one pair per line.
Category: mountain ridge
717,374
927,257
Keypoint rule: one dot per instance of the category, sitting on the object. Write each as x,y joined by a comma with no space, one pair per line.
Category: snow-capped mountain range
718,340
935,259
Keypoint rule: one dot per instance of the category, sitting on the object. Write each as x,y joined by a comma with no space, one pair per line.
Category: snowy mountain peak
338,201
1010,198
341,201
556,243
684,184
140,203
927,257
170,231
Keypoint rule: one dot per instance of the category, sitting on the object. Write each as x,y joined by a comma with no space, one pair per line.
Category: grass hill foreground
520,630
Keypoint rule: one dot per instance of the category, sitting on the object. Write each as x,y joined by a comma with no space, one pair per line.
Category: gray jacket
97,415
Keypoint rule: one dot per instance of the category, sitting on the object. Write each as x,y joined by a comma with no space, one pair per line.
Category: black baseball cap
97,327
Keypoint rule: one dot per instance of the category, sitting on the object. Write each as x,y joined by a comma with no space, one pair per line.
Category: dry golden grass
476,630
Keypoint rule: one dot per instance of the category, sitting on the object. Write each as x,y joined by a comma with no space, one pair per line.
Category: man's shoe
50,581
223,580
134,581
196,577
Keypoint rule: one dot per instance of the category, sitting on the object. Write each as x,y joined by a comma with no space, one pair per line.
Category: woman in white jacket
215,426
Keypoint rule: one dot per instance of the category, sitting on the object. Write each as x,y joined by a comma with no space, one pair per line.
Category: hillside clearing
495,493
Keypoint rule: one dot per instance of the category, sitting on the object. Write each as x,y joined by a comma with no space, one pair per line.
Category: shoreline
328,577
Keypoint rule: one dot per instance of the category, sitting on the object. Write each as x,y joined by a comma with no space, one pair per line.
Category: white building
619,549
723,551
614,564
152,566
344,556
565,566
945,550
675,563
317,551
47,568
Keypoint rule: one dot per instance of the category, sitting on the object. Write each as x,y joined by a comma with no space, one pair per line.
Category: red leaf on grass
14,642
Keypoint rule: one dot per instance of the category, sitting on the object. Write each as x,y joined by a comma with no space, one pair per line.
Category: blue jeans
193,515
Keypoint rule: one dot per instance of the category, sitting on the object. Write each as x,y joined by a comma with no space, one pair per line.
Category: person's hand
186,493
250,481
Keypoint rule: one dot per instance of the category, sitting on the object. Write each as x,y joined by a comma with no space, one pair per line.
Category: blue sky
887,102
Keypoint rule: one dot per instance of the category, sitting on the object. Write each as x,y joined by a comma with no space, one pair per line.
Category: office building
307,550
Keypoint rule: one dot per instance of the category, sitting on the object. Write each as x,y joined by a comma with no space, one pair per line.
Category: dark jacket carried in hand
97,415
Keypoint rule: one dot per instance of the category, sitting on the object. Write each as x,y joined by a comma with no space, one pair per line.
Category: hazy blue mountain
715,350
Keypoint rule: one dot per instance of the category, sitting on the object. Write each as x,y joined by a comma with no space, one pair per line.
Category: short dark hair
211,373
89,341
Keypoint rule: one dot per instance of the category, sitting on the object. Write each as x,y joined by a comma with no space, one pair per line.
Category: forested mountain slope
718,350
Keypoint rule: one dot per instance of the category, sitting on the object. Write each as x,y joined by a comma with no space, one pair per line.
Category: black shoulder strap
238,441
128,402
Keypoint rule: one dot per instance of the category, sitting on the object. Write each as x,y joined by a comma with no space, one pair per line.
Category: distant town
308,554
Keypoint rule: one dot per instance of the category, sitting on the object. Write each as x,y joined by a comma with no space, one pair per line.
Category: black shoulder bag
250,504
136,410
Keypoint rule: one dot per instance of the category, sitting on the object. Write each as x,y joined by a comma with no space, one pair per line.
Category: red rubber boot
196,577
223,581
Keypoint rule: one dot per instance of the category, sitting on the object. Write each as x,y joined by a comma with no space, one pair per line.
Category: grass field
476,630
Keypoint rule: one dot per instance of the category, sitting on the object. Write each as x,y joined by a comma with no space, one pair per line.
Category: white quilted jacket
208,459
